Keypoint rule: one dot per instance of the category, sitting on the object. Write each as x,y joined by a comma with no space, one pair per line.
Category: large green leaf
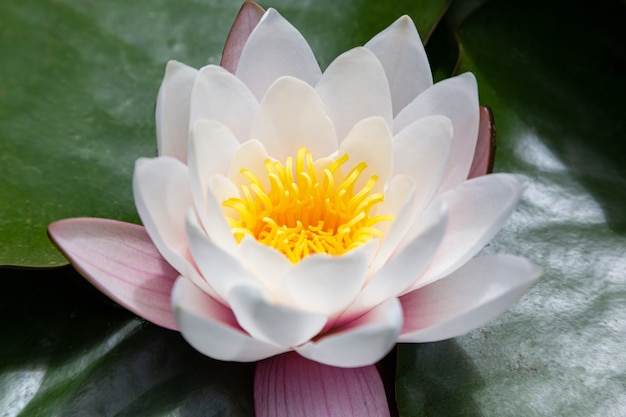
77,88
554,75
71,352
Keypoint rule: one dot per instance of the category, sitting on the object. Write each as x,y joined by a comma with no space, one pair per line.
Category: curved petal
468,298
121,261
217,228
398,202
406,266
485,153
211,148
162,197
421,151
290,382
251,156
270,322
369,141
172,110
327,284
211,328
290,116
246,20
219,95
361,342
478,209
400,51
457,99
219,268
354,87
275,48
266,263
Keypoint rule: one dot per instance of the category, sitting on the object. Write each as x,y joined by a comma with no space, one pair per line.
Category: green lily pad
554,75
78,86
73,352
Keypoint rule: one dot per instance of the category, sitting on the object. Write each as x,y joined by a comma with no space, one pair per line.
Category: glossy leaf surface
78,85
553,74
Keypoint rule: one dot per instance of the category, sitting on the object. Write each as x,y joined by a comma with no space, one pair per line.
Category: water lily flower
332,214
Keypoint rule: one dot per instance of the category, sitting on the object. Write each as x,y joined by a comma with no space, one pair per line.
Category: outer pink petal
485,153
275,48
121,261
211,328
483,289
172,110
290,385
245,22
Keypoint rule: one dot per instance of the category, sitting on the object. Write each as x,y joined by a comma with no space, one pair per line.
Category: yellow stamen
300,215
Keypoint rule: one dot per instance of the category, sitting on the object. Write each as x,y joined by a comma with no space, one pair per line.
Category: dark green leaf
554,74
74,353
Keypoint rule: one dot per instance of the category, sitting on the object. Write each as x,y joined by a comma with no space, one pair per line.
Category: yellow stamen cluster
302,214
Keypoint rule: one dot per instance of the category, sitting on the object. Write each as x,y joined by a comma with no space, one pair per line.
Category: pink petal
485,153
121,261
289,385
246,20
478,292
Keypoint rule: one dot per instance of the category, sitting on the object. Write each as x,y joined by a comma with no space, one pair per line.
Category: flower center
302,214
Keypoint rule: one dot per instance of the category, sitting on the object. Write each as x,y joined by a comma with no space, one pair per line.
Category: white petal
290,116
478,209
212,329
421,151
353,87
400,50
327,284
483,289
266,263
361,342
251,155
457,99
172,110
399,203
219,268
211,148
270,322
216,227
163,196
369,141
219,95
275,48
404,267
